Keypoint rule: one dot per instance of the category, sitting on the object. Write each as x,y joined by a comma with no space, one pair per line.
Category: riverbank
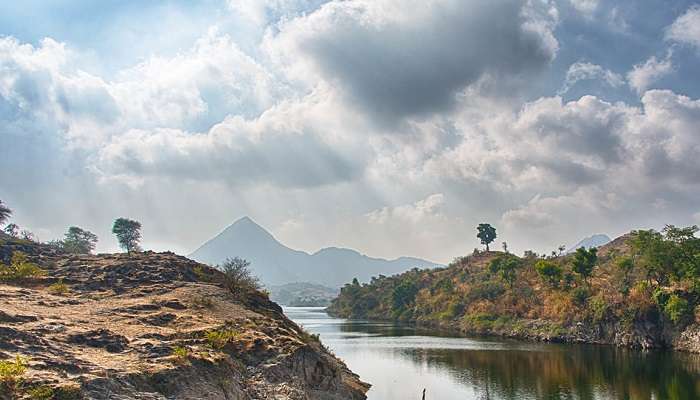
402,359
151,326
544,299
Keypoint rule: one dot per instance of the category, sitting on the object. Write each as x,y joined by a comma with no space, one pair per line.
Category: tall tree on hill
5,212
584,261
128,233
79,241
486,233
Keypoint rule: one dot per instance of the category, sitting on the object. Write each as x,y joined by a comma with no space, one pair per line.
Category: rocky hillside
643,291
151,326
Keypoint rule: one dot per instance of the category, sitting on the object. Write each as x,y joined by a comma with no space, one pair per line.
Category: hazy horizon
388,127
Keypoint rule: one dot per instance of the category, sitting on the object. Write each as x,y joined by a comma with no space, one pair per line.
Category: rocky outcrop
144,327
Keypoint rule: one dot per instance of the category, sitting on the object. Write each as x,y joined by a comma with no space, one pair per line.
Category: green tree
12,229
238,278
584,261
486,233
506,266
549,271
128,233
403,294
625,265
676,308
5,212
79,241
654,255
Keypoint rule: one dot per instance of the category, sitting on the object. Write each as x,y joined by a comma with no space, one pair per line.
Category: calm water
400,361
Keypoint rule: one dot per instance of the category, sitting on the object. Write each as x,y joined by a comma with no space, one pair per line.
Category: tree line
78,240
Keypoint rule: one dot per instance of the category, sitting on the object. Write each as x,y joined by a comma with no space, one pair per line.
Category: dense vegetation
644,277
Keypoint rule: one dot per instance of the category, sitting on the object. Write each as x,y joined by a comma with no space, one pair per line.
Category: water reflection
399,361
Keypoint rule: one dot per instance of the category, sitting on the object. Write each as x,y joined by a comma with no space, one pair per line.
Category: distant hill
628,299
303,294
591,241
277,264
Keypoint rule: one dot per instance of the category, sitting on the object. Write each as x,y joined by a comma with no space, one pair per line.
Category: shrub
71,392
506,266
11,373
202,274
238,278
43,392
676,308
203,302
19,268
181,354
480,321
59,288
579,296
549,272
598,308
219,339
486,291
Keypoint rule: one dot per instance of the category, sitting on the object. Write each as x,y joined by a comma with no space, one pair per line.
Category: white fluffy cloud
644,75
288,145
580,71
686,29
586,7
391,126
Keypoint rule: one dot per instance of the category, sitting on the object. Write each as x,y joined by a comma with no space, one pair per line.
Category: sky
390,126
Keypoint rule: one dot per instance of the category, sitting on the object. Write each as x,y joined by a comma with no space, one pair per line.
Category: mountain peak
247,225
596,240
245,220
274,263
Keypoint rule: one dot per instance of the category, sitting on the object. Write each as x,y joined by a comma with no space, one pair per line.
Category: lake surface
399,361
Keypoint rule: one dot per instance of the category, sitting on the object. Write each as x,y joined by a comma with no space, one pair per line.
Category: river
400,361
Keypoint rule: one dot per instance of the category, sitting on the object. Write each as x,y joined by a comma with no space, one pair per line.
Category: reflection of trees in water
568,372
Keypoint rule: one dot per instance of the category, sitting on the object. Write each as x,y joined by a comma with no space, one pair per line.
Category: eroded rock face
137,328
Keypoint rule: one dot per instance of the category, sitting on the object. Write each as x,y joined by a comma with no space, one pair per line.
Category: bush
579,296
59,288
676,308
67,393
480,321
11,373
219,339
486,291
41,393
238,278
19,268
549,272
181,354
598,308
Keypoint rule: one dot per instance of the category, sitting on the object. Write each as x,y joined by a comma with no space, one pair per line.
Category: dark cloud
417,61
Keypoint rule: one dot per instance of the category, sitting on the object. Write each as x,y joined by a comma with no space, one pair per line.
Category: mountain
591,241
277,264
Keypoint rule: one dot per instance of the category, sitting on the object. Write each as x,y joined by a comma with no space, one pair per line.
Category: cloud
580,71
686,29
643,75
286,146
394,59
585,7
390,126
415,213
